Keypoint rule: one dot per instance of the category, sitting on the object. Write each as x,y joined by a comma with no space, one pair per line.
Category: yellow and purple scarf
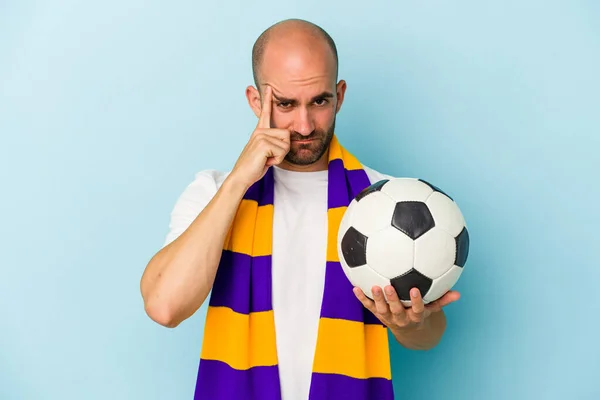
239,358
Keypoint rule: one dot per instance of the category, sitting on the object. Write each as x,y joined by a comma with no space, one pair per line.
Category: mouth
303,141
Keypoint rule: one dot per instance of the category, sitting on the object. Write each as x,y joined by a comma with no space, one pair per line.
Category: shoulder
202,188
208,180
374,175
195,196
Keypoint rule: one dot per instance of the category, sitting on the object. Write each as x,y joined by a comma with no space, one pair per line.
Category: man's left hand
395,315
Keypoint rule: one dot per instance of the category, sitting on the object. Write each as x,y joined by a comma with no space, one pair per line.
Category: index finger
264,120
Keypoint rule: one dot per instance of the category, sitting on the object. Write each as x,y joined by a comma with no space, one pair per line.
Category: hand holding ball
404,232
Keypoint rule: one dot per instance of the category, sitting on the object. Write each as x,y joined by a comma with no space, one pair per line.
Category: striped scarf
239,358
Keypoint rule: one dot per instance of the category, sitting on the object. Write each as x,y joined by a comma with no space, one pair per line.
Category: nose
303,123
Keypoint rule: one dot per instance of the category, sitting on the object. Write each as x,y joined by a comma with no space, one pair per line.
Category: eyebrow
324,95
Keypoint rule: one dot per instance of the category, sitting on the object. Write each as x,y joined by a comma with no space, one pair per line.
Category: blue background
107,109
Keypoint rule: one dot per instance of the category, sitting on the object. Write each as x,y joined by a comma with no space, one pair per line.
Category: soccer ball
404,232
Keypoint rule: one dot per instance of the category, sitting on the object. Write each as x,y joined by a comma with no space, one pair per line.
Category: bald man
296,98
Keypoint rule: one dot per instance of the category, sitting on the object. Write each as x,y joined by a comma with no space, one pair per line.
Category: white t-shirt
298,261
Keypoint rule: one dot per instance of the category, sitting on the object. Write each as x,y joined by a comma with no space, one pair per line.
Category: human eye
321,101
284,104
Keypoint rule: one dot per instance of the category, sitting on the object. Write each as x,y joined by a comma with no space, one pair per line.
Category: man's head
299,61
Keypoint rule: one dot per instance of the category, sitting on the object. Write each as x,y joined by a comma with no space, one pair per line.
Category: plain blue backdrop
108,109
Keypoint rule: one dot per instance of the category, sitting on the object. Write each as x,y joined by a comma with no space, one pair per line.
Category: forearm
180,276
426,336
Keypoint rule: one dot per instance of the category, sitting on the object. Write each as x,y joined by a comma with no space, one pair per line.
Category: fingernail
389,290
414,292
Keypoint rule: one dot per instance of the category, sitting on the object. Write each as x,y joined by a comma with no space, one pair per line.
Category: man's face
306,100
309,111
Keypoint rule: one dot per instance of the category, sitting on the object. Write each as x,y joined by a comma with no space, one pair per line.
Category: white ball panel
443,284
408,303
345,223
372,213
435,252
446,213
365,278
407,189
390,252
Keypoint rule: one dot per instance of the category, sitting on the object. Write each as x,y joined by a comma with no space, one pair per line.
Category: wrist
235,186
409,329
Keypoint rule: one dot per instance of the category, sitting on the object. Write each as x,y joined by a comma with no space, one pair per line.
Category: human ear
254,100
340,92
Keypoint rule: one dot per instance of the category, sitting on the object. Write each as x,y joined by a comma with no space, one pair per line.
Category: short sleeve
375,176
192,201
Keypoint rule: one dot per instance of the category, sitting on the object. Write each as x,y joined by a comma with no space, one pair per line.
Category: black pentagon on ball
413,278
354,248
413,218
436,189
375,187
462,248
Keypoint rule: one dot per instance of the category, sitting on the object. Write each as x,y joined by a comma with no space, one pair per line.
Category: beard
309,153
